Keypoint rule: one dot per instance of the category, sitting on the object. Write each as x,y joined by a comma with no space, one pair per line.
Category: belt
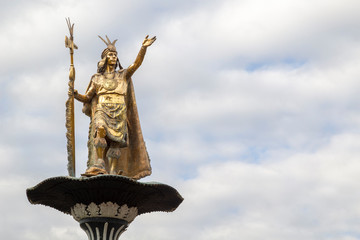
111,98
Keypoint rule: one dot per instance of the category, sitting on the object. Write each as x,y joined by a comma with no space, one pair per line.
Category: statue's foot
94,171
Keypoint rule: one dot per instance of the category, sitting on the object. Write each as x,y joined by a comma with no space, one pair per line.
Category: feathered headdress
110,46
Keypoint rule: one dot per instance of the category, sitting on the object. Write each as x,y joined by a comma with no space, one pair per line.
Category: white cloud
249,108
301,196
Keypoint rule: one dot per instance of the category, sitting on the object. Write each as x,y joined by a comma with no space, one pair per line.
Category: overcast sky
250,109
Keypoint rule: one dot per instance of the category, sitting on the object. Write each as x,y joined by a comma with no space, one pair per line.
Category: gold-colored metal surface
111,98
70,119
116,144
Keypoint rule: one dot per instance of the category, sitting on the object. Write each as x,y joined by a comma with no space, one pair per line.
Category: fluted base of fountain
103,228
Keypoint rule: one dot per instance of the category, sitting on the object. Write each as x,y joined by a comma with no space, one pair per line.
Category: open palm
147,42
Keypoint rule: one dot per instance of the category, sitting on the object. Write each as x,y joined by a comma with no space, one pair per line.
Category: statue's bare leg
100,144
113,154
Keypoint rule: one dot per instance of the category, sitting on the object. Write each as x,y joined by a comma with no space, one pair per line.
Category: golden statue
116,147
115,144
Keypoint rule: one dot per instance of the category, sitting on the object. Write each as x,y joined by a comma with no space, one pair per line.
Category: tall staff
70,119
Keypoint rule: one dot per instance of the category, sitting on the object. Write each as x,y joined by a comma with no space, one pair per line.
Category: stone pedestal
104,205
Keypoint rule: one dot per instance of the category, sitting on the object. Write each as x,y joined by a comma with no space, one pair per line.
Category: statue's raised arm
140,57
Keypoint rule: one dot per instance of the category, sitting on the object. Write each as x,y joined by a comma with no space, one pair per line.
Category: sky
250,109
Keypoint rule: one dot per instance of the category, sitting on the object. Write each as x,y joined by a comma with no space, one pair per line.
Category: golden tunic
110,110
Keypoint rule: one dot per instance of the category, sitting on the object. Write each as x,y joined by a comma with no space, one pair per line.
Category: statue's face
111,58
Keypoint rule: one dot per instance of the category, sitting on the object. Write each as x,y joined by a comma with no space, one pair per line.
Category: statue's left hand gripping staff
70,119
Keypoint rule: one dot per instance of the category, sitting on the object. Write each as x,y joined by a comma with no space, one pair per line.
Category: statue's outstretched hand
147,42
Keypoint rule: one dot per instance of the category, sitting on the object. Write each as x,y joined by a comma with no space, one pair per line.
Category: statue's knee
99,140
101,132
113,152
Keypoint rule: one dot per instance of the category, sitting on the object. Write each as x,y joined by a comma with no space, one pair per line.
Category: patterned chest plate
110,84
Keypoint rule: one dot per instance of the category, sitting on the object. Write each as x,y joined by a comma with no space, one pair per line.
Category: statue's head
109,55
111,58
